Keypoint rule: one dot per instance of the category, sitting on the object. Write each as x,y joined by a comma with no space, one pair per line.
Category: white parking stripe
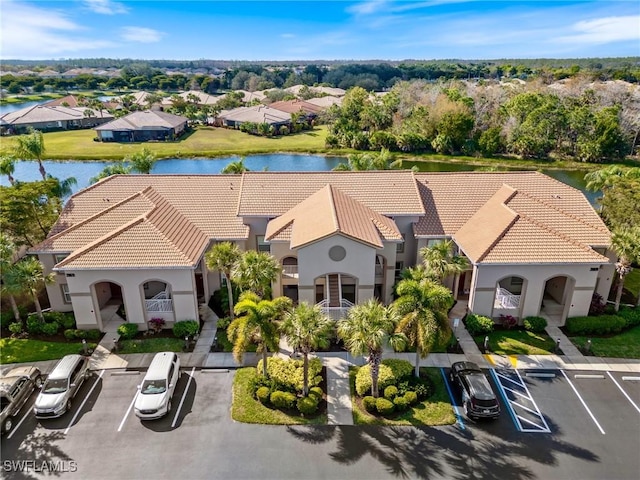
24,417
129,409
583,403
84,401
184,394
624,393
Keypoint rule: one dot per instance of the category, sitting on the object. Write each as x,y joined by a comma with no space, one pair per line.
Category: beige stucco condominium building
535,245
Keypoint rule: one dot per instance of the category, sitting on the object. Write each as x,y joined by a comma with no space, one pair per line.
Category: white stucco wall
54,291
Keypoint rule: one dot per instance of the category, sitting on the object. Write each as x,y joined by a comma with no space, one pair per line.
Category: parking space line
514,391
453,401
505,399
184,394
84,401
129,409
623,392
583,402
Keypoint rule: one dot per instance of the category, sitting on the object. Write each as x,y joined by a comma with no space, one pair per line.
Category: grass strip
24,350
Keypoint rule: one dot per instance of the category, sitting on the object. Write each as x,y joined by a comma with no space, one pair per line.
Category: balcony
290,271
505,300
335,313
159,305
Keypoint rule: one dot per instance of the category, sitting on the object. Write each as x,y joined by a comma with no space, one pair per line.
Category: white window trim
66,295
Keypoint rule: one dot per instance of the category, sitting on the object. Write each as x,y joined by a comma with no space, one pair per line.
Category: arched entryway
556,299
509,296
336,293
158,301
108,300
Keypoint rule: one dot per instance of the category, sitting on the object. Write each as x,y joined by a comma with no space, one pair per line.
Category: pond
83,171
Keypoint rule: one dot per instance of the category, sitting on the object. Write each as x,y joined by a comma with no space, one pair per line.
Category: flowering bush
156,324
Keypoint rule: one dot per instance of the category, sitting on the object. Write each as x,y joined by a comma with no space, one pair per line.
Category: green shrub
369,403
34,325
316,392
50,328
70,334
411,397
280,399
288,374
384,406
631,316
391,371
307,405
6,319
400,403
262,394
391,392
186,328
127,330
601,325
93,334
535,324
66,320
401,368
15,328
223,323
478,325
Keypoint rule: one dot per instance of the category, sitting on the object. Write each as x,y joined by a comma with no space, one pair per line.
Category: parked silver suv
61,386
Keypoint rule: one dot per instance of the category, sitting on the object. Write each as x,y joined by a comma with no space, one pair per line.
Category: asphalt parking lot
592,430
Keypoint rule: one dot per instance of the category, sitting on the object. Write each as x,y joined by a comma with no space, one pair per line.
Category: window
400,246
262,245
399,268
432,242
58,257
66,296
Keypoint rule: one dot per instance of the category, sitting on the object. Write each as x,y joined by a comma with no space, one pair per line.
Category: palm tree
29,274
222,257
31,147
117,168
626,243
235,167
142,161
440,261
422,306
7,167
383,160
256,323
7,255
366,330
306,329
64,188
255,271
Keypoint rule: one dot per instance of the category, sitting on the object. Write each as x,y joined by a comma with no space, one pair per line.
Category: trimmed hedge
77,334
66,320
280,399
384,406
631,316
478,324
317,392
307,405
391,392
287,374
391,371
34,325
601,325
411,397
50,328
127,330
15,328
535,324
369,403
186,328
400,403
262,394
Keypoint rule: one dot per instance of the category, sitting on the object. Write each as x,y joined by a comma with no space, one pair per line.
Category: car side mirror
139,387
171,385
73,385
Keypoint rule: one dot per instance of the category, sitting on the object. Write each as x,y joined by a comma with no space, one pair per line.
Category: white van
154,398
61,386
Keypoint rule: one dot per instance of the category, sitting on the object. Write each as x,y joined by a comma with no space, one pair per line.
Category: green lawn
246,409
436,410
632,282
151,345
518,342
20,350
203,142
622,345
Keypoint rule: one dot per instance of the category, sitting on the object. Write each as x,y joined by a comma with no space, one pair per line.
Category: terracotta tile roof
293,106
330,211
144,120
270,194
45,113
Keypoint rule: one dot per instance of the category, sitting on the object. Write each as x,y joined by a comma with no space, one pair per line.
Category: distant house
258,114
67,101
325,102
335,92
298,106
200,98
142,127
48,118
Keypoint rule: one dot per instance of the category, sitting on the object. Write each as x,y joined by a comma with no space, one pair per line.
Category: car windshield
55,386
150,387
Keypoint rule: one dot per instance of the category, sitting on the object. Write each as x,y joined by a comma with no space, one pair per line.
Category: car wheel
8,425
38,381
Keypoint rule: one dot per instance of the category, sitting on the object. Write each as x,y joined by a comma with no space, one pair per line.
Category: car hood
150,401
50,400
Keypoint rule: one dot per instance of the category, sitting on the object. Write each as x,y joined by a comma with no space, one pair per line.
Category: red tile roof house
535,245
49,118
143,126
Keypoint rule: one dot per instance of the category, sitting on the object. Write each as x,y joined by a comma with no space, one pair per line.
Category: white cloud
31,32
105,7
367,8
287,35
604,30
141,34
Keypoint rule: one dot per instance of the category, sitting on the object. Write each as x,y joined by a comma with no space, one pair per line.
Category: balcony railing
290,270
335,313
159,305
506,299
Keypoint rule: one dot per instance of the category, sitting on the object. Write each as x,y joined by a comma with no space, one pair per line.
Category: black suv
478,399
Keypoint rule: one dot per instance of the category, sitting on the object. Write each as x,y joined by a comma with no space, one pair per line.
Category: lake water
12,107
84,171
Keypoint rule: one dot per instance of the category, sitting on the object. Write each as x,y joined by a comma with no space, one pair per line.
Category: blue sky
318,30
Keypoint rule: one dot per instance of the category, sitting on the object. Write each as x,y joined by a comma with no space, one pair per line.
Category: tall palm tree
440,261
142,161
9,288
382,160
255,271
366,330
222,257
31,147
7,167
117,168
29,274
256,322
235,167
626,243
64,188
422,306
306,329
